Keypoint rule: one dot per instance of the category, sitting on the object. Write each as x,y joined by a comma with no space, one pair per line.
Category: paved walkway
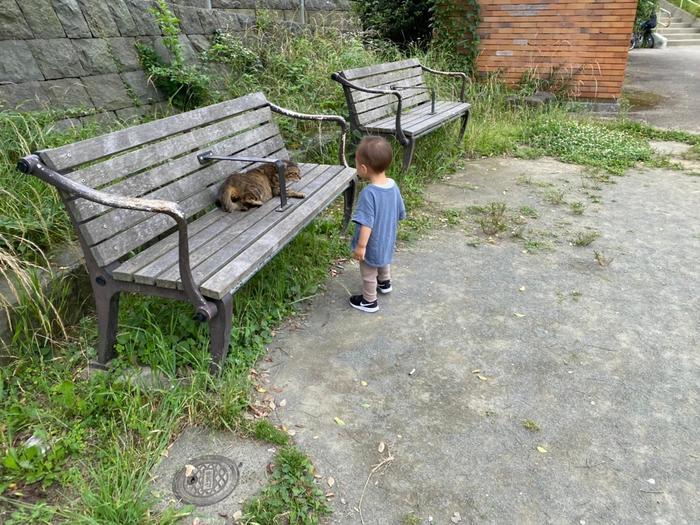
519,379
665,87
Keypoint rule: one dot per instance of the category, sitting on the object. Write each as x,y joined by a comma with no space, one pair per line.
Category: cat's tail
225,198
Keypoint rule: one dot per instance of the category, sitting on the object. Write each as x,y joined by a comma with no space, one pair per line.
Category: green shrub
406,23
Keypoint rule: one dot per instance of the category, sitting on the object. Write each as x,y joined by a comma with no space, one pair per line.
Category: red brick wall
585,40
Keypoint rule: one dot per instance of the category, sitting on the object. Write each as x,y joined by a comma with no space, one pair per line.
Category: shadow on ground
546,374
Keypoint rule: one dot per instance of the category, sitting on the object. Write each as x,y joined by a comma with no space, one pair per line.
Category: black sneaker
384,286
357,301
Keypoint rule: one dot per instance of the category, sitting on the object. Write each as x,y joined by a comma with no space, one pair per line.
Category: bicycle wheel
648,40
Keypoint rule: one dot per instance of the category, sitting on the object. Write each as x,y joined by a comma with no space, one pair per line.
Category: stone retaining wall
67,54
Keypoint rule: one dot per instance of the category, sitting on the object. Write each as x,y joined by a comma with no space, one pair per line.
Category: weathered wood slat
411,116
389,119
114,248
223,232
127,270
384,81
208,258
360,72
432,121
67,157
390,109
361,96
105,172
117,220
140,184
238,271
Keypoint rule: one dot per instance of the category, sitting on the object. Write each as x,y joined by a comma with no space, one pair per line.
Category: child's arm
363,238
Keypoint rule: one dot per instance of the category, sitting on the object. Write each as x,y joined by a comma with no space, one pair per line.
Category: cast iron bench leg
465,119
107,305
220,332
408,150
348,199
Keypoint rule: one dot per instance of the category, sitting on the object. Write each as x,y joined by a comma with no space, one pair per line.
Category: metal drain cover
206,480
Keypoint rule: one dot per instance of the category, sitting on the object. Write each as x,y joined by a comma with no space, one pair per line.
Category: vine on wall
455,25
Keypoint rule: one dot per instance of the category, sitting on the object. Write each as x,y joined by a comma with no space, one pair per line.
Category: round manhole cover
206,480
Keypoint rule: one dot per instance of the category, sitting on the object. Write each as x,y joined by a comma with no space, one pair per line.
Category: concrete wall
67,54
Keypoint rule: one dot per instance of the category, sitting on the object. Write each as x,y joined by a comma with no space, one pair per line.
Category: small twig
388,459
303,299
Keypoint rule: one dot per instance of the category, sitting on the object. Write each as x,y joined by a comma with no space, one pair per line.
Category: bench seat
226,249
418,120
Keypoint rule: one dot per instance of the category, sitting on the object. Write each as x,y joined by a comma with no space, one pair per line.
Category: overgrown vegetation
645,8
406,23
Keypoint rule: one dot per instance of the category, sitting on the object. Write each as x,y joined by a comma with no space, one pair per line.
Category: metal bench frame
407,140
106,289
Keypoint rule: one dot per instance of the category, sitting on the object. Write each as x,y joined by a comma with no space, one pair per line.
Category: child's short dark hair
375,152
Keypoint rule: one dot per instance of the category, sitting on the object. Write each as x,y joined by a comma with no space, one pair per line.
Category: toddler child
377,215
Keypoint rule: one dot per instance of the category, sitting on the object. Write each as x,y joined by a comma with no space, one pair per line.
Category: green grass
584,238
292,496
687,7
588,143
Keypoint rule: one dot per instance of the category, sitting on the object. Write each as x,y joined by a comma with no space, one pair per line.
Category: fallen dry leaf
483,378
283,403
238,515
541,450
363,383
381,447
331,482
330,495
291,432
189,470
522,288
339,421
456,518
476,370
261,390
516,314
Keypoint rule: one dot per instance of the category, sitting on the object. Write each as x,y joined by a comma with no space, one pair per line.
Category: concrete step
680,36
673,29
688,42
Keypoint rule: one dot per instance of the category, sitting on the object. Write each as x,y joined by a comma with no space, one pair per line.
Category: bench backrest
369,107
158,160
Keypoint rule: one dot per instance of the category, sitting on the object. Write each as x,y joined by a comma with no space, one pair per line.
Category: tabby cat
241,191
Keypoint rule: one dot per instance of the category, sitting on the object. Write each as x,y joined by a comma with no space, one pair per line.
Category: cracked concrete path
553,381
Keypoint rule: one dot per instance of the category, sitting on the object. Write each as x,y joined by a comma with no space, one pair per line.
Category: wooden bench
393,99
143,205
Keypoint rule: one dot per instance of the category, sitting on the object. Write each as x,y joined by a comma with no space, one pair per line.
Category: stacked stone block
80,54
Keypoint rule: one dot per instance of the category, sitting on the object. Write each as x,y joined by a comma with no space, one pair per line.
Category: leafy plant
185,85
455,30
292,493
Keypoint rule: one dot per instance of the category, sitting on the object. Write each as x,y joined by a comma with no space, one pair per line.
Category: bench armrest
320,118
457,74
347,84
31,164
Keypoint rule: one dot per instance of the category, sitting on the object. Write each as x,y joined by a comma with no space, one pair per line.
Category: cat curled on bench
254,187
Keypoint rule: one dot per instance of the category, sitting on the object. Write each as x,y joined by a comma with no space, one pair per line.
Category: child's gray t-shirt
379,208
